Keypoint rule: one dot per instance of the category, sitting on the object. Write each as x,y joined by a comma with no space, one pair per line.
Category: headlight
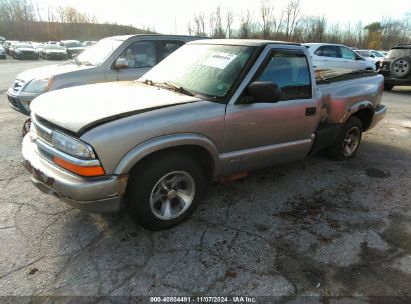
39,85
71,146
89,166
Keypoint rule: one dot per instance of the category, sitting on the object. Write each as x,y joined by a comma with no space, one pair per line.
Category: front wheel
348,140
165,190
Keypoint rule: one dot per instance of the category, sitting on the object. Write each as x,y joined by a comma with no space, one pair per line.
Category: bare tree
17,10
190,29
266,19
219,31
199,24
245,30
278,24
229,19
69,14
292,17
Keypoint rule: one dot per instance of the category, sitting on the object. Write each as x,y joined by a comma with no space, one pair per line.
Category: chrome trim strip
252,151
66,157
43,132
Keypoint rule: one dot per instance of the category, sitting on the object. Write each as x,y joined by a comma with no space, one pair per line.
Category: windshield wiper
178,88
168,85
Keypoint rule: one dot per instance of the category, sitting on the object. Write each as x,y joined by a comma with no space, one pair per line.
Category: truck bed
325,76
342,88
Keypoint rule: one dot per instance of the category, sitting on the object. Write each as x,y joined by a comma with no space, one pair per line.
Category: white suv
334,56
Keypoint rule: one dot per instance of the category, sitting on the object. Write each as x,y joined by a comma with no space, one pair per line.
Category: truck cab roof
244,42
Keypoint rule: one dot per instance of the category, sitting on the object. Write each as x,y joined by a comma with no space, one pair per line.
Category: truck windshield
201,68
99,52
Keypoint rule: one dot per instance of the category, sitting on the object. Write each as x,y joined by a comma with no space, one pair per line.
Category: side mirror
262,91
121,63
358,57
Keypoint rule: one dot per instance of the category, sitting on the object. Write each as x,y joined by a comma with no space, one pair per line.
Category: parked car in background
7,45
396,67
368,55
385,53
2,52
377,54
53,51
89,43
24,51
213,109
37,45
332,56
53,42
72,47
111,59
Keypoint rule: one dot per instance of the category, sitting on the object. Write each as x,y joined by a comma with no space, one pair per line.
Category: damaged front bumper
102,194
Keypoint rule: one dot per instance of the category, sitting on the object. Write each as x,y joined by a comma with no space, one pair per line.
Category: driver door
263,134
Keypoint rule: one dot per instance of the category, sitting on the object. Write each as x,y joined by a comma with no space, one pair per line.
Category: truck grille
13,101
42,132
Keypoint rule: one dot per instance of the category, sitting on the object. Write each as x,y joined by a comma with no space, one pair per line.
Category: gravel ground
313,231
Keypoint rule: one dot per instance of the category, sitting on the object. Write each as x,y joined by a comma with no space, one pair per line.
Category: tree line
23,20
290,24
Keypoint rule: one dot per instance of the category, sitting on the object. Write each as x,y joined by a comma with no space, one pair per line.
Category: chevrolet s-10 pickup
212,110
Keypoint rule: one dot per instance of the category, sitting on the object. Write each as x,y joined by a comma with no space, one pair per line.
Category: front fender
166,142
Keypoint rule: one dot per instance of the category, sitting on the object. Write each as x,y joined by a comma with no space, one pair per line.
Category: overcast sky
172,16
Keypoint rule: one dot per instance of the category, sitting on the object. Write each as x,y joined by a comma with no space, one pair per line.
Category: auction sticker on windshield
220,60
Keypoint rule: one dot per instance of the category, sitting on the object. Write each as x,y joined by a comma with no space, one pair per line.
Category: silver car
111,59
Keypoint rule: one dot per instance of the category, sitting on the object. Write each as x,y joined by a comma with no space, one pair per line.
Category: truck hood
80,108
51,70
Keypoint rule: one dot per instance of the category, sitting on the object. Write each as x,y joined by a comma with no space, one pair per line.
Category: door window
165,48
290,71
327,51
347,53
140,54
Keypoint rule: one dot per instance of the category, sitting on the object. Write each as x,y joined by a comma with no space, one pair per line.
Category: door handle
310,111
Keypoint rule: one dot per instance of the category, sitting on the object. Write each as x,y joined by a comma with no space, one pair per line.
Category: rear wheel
401,67
165,190
348,140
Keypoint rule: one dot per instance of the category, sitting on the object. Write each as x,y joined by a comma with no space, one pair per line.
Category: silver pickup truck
111,59
213,109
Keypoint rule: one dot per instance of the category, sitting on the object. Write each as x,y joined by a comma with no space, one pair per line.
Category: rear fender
358,106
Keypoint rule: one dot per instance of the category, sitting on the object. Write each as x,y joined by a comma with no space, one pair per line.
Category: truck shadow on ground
315,226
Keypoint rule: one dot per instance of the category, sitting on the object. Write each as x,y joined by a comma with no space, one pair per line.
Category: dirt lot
313,231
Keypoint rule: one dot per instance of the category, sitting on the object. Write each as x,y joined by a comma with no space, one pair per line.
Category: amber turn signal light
79,170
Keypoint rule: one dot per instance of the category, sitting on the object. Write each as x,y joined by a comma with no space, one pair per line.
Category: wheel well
202,155
365,115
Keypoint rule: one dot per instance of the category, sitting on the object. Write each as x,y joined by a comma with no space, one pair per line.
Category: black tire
401,67
26,127
343,148
388,87
144,182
